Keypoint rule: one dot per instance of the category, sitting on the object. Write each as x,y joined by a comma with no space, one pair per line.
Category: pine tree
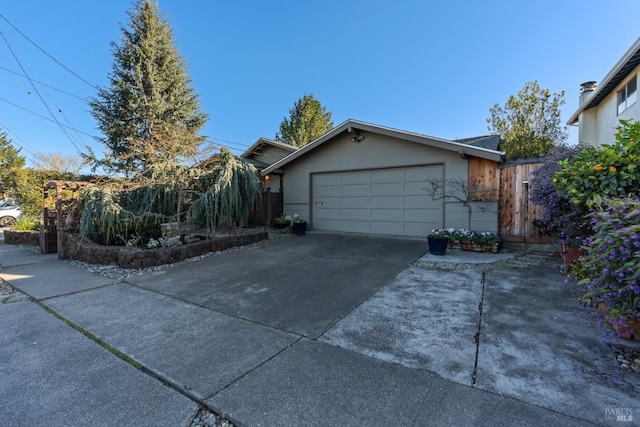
11,162
308,120
150,115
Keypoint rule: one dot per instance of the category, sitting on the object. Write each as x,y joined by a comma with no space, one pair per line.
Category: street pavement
321,329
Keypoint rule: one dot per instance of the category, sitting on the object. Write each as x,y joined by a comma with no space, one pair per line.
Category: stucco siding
597,125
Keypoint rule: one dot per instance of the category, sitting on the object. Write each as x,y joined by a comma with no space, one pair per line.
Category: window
628,95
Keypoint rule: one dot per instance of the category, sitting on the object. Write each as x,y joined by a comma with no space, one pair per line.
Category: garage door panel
326,179
356,177
361,226
385,201
326,190
414,201
417,173
327,202
391,188
386,175
415,187
418,214
386,227
354,213
328,213
355,189
356,202
393,214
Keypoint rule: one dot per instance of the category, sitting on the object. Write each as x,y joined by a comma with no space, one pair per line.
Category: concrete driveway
326,329
300,285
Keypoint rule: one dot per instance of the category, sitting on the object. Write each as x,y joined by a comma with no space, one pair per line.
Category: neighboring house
614,99
265,152
361,177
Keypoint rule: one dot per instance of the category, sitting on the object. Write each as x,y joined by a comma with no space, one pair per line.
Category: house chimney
585,89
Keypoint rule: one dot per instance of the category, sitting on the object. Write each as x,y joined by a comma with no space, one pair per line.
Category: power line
36,90
46,118
22,147
214,140
43,84
45,52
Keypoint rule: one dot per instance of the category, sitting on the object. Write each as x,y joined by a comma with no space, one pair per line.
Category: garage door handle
319,203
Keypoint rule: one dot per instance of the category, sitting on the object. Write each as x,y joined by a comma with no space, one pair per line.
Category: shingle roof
490,142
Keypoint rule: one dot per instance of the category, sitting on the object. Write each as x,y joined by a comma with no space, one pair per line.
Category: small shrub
610,171
27,223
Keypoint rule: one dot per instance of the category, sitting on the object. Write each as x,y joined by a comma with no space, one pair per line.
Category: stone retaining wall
30,238
75,248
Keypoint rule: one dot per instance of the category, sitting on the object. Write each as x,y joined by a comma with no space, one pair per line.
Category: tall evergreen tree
308,120
529,122
11,162
150,116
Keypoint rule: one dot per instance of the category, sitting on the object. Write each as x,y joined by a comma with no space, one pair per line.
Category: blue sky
422,66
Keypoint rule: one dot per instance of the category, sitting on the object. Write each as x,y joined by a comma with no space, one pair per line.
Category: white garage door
384,201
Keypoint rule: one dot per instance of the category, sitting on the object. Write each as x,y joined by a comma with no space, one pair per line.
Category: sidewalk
269,369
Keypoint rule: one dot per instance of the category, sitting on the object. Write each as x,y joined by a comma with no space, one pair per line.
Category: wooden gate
60,199
268,206
517,212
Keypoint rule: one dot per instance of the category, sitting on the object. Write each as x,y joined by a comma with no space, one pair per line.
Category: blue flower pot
438,245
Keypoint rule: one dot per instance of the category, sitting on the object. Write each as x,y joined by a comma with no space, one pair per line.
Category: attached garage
381,201
366,178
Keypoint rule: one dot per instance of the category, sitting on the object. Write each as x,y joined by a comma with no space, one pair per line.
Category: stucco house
615,98
265,152
362,177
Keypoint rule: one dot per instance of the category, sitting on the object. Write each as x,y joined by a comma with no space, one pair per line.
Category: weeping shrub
112,214
227,199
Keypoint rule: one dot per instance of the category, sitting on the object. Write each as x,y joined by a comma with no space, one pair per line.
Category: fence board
517,212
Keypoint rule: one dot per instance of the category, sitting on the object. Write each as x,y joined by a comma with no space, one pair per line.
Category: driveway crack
477,335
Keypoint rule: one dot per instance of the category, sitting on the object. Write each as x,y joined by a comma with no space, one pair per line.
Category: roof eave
267,141
598,92
349,125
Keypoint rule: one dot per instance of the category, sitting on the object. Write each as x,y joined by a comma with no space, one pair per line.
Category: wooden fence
267,207
517,212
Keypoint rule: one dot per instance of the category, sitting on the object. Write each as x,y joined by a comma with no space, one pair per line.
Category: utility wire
45,52
35,88
22,147
43,84
46,118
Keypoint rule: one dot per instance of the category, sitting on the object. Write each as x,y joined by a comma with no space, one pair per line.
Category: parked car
9,212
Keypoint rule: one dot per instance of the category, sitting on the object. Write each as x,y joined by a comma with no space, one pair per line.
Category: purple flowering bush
561,214
610,269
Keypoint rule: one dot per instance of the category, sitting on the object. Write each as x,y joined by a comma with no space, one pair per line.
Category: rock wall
30,238
76,248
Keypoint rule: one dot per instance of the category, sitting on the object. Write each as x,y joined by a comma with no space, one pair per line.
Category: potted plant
466,238
299,225
489,242
571,249
438,242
